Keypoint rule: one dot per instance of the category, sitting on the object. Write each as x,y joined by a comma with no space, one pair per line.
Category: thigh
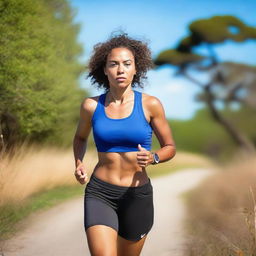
102,240
129,248
98,212
101,225
136,215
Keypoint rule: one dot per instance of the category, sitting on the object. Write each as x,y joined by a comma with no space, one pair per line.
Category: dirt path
59,231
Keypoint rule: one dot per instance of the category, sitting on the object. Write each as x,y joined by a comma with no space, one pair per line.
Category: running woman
118,200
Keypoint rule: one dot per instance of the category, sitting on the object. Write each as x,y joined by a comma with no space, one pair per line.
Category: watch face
156,157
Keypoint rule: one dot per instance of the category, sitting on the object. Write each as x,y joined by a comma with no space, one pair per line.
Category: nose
120,69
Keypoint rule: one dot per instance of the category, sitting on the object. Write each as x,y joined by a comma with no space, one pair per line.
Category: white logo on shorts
142,235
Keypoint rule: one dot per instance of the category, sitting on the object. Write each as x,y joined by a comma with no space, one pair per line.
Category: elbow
171,151
174,152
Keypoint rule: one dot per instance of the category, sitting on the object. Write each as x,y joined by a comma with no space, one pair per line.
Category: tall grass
222,212
29,170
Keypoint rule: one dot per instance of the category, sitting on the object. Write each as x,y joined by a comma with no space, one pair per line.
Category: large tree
39,68
228,82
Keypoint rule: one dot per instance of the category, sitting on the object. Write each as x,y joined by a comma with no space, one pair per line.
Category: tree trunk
240,139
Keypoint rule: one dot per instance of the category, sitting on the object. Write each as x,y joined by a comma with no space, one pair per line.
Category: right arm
81,136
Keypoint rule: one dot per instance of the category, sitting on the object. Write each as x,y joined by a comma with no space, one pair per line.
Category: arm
81,136
162,131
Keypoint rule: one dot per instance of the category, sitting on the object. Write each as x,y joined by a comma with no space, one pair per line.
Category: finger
78,172
82,172
142,153
84,175
143,157
81,168
83,181
142,162
140,148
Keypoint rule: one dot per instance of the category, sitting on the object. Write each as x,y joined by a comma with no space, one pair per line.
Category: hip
115,195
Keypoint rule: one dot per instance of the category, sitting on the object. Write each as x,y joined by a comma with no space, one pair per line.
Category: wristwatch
156,158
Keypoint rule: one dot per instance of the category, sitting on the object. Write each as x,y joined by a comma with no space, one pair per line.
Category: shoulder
89,105
152,103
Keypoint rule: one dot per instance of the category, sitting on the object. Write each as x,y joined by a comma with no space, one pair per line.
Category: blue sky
162,23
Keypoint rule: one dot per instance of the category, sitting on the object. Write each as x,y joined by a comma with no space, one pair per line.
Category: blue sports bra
124,134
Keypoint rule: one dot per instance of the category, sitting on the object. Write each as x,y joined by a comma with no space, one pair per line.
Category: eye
127,64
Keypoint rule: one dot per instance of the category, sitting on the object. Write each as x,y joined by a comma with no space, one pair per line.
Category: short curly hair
141,53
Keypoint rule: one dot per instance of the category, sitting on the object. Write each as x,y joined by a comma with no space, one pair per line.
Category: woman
118,202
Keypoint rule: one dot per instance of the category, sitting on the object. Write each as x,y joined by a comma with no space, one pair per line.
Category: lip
120,78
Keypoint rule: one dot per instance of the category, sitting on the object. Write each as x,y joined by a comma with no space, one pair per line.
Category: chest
120,111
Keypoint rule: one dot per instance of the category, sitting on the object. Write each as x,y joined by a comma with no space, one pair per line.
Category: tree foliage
39,68
228,82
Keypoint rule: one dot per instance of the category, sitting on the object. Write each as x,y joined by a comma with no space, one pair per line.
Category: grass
37,178
222,212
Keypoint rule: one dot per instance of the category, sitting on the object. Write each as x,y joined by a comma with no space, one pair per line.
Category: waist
120,169
118,160
101,183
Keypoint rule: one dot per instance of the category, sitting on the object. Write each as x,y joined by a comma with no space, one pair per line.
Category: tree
39,68
227,82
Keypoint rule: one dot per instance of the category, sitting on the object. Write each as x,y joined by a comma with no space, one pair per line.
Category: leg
101,225
136,216
129,248
102,240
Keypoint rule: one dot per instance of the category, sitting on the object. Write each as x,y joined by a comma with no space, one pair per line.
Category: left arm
162,131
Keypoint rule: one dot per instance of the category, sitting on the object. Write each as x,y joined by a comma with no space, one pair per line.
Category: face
120,67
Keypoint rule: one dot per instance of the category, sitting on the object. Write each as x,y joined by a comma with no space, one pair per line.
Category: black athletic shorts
128,210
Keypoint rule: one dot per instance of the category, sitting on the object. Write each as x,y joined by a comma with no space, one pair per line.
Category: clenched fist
144,157
80,172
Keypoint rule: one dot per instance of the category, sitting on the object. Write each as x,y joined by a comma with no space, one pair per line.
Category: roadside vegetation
222,212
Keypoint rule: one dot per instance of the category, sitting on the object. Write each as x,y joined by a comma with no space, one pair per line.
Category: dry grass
182,160
222,212
32,169
191,159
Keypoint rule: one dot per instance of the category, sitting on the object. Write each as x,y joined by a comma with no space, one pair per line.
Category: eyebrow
115,61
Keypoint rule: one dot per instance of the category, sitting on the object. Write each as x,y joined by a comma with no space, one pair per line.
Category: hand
144,157
80,172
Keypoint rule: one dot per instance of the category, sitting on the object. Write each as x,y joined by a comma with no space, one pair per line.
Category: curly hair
139,49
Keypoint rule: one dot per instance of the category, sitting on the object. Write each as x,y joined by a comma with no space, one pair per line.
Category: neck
119,94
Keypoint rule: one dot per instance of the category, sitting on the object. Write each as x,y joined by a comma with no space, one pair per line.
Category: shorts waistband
117,187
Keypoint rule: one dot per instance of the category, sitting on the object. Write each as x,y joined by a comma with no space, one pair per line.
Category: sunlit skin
120,168
120,64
